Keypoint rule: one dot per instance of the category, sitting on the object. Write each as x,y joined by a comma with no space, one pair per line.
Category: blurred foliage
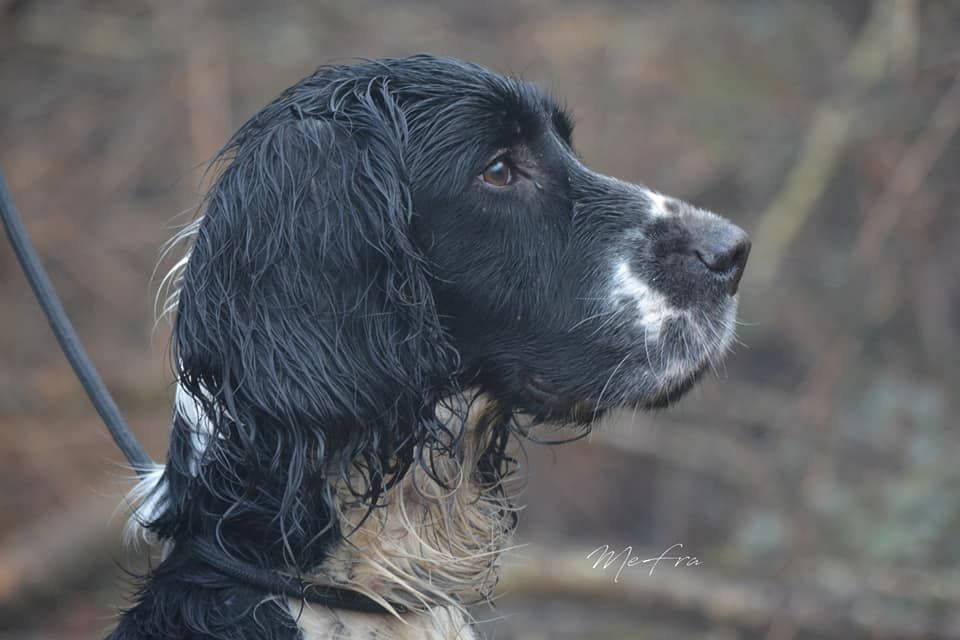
821,465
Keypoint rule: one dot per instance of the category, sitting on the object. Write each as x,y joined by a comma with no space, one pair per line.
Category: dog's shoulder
184,599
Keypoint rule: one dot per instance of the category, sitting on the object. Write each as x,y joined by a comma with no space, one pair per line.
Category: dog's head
390,233
566,292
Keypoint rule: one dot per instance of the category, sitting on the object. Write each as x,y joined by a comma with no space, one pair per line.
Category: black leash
248,574
67,336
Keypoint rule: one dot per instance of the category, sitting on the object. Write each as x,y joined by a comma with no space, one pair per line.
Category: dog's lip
543,400
537,387
553,405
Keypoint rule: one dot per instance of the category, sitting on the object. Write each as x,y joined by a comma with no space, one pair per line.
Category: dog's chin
541,404
668,369
644,389
672,393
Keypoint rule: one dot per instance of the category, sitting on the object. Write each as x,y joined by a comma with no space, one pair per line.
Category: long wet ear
306,327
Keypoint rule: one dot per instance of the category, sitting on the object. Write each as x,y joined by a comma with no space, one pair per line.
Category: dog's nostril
723,260
726,254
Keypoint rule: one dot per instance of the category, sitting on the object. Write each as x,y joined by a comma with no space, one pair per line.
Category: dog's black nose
723,248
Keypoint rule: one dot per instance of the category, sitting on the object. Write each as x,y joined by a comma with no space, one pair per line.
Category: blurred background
816,478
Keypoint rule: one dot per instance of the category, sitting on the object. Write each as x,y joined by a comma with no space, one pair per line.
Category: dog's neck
432,545
437,539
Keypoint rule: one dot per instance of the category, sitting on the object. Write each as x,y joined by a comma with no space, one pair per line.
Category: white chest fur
320,623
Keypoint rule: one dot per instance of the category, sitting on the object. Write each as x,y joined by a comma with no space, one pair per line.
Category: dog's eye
498,173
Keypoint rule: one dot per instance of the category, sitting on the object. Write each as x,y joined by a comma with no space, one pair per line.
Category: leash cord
67,336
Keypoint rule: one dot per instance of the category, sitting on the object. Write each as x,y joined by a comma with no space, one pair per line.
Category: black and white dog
402,267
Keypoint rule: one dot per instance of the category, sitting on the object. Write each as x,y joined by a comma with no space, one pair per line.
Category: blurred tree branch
825,141
908,176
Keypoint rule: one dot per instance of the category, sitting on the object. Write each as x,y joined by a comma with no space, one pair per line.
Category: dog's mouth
545,403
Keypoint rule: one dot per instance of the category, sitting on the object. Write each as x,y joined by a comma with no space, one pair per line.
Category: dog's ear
306,323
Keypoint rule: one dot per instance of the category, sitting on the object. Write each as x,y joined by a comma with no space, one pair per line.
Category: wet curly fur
363,322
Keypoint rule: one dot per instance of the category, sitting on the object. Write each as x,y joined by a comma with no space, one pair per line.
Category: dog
402,268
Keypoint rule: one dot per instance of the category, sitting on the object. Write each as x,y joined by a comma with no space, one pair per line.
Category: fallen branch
750,605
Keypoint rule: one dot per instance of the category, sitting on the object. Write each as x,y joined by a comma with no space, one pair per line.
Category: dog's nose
723,248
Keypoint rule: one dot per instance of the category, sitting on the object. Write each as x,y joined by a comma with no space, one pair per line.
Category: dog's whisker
602,314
